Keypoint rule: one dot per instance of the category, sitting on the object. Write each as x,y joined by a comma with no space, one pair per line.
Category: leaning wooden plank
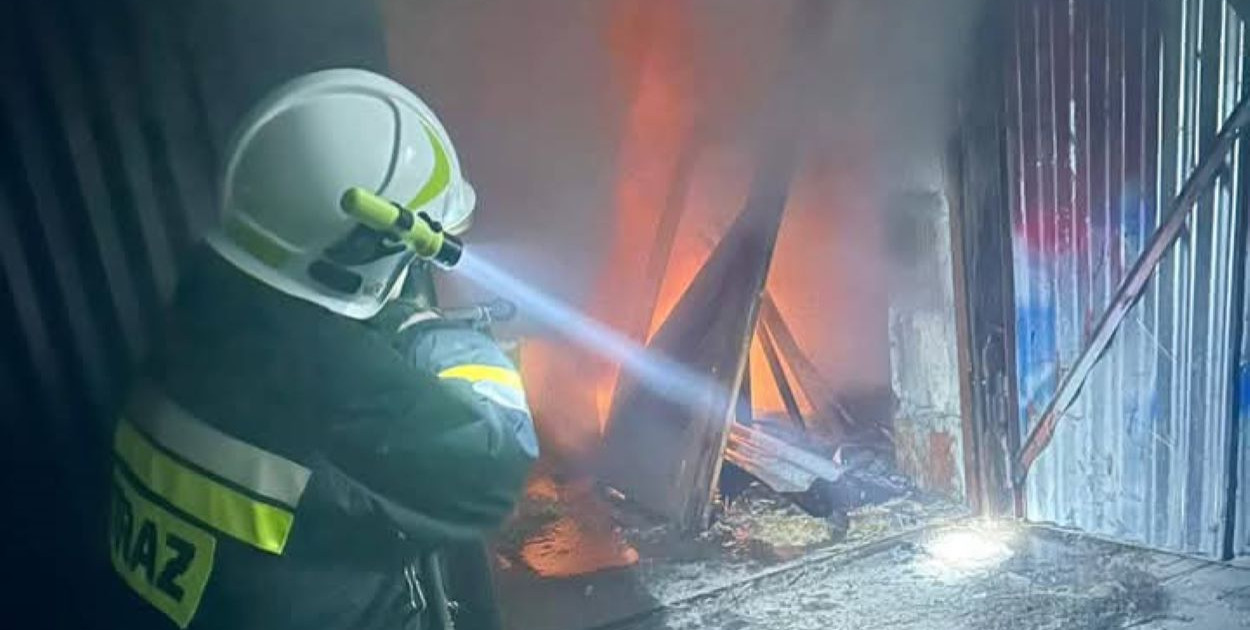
664,449
815,388
788,398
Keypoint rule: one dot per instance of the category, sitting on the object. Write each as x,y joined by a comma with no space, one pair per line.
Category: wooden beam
746,411
779,375
815,388
666,455
666,235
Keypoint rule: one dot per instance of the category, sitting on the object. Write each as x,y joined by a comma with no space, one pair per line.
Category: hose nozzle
416,230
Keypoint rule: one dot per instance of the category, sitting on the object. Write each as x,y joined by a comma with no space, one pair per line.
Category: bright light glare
970,547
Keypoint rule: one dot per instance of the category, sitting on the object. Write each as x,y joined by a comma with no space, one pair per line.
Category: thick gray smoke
533,95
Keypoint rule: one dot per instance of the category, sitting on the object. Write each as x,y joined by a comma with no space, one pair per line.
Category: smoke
543,99
883,123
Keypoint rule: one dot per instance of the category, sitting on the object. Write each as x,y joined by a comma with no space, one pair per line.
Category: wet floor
758,534
1039,580
889,575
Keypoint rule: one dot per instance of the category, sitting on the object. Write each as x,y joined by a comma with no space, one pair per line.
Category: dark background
112,117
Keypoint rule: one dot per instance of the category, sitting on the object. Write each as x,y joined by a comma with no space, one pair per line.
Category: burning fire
651,45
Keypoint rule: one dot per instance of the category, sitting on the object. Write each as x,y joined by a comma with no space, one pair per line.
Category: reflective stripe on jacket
281,467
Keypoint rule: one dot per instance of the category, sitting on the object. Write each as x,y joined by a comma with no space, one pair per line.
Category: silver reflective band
264,473
503,395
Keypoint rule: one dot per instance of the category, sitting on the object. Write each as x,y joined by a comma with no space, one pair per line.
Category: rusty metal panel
984,298
1110,104
927,423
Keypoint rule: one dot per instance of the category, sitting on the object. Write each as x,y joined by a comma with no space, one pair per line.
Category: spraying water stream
659,374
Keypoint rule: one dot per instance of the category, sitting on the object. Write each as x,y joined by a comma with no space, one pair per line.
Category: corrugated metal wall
111,112
1241,539
1110,105
103,178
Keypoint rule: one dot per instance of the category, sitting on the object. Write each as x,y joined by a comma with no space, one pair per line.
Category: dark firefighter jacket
281,467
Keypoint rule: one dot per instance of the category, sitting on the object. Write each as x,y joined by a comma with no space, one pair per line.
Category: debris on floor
1048,581
546,583
775,523
909,563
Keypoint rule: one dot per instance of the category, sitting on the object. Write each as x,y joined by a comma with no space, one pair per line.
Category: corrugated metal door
1110,105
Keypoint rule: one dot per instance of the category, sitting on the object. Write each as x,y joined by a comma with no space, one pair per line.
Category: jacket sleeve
438,435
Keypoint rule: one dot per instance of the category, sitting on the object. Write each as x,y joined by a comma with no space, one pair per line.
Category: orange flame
651,46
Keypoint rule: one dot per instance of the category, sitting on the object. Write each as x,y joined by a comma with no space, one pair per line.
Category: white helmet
294,156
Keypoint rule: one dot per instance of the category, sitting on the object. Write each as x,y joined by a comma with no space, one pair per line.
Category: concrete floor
1037,579
757,536
1052,580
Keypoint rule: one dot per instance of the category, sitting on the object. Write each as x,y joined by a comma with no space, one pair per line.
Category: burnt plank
664,451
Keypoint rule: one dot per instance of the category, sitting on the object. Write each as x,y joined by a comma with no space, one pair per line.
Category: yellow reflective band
232,513
478,373
165,559
440,175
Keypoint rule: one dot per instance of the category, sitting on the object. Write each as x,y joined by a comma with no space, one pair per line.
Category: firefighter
282,463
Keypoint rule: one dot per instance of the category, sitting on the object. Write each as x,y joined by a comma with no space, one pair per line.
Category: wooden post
666,455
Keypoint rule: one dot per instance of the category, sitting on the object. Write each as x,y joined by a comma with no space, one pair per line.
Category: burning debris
571,528
774,524
891,587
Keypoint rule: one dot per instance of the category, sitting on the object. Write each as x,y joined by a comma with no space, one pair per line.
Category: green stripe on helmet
440,177
258,244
